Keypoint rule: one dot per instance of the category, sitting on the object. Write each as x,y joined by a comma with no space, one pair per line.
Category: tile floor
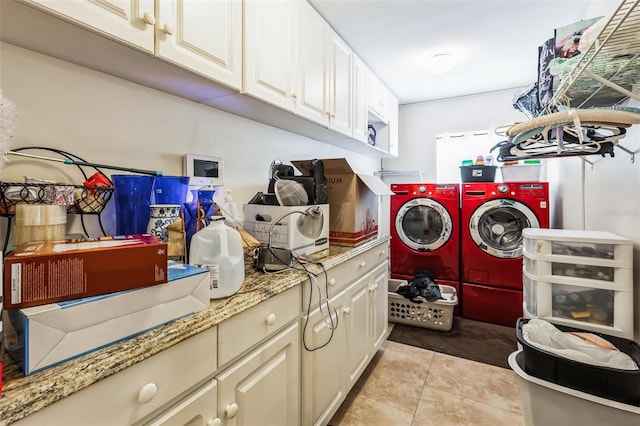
409,386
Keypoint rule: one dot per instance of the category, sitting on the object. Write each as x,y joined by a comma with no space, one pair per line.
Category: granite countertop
23,395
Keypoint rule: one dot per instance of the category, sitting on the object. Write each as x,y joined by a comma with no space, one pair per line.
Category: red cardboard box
41,272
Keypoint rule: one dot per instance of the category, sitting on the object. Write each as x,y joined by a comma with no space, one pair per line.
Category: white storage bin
521,173
595,308
590,247
545,403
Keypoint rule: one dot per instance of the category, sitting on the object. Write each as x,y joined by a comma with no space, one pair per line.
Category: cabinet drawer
199,409
129,395
242,331
345,273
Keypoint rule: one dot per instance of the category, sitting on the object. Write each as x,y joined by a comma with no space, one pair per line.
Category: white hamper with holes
437,315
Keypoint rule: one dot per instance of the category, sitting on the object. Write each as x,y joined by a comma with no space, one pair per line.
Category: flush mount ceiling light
439,63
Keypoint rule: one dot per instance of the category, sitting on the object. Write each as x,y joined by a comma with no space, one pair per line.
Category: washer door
423,224
496,227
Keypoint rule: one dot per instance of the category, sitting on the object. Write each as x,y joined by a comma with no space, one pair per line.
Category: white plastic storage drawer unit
590,308
582,279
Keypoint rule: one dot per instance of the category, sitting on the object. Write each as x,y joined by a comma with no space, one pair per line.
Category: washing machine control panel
503,188
422,189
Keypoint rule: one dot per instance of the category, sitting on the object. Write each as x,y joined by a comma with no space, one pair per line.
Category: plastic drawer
614,278
585,247
595,309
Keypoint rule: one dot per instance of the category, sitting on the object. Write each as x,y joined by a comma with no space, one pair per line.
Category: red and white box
42,272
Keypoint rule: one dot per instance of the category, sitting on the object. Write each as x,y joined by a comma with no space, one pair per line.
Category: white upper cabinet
270,51
323,73
360,99
340,80
130,21
204,36
313,68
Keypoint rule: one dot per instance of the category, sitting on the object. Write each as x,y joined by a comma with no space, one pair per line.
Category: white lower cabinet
263,387
268,365
199,409
329,370
139,391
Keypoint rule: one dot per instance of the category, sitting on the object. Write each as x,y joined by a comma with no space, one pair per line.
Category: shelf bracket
628,151
590,163
612,85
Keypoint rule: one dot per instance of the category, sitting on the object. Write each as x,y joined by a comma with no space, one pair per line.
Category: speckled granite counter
23,395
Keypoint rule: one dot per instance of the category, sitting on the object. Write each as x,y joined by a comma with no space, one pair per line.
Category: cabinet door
198,409
264,387
312,79
203,36
270,51
393,126
323,371
128,21
340,109
359,97
376,96
378,293
357,329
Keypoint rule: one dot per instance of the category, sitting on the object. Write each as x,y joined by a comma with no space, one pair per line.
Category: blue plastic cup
170,190
133,197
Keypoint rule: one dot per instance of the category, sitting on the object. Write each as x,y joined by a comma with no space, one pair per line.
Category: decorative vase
162,215
198,210
132,194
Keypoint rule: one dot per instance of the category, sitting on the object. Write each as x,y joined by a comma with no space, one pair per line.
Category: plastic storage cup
39,222
170,190
133,195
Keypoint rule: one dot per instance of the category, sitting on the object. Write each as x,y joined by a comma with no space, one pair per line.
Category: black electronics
314,184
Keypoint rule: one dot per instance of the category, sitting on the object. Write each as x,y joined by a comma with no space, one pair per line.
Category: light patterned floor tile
361,411
397,377
480,382
441,408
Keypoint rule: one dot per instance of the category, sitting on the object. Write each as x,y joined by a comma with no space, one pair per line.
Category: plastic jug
218,247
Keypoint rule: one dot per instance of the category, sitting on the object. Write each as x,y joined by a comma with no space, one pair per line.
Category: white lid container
521,173
218,247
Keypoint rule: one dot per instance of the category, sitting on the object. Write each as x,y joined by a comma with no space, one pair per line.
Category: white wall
421,122
111,121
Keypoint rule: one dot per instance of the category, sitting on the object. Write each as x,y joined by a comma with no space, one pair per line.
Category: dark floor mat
474,340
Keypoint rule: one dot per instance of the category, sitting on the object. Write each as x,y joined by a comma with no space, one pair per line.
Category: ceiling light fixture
439,63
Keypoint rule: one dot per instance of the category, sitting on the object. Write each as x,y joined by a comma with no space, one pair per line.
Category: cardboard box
353,199
41,272
43,336
258,219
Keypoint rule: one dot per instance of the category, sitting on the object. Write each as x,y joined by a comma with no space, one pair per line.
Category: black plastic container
478,173
611,383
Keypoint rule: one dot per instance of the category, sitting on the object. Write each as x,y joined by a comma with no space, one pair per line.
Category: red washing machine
425,231
493,217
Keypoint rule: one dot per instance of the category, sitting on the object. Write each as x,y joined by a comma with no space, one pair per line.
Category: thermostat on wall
203,170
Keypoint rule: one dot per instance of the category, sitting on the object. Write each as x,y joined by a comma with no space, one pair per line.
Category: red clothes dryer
425,231
493,217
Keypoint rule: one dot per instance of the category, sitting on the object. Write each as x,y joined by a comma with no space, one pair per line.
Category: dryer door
423,224
496,227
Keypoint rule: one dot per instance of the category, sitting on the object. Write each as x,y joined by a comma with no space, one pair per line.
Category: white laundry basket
437,315
545,403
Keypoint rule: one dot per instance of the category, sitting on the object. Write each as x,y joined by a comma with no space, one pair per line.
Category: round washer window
423,224
496,227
